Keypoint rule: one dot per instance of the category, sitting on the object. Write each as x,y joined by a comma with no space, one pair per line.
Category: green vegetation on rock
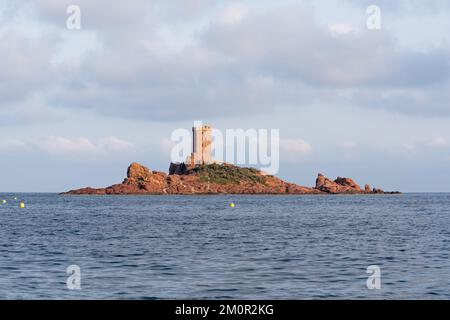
228,174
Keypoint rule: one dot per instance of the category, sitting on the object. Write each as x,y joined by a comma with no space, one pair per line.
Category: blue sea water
192,247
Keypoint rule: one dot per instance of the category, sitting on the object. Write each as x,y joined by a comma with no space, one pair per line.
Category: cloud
294,150
25,66
62,146
348,145
251,60
427,145
418,7
305,51
23,113
99,13
186,10
12,145
82,146
339,29
105,16
427,100
113,144
410,147
245,59
233,14
438,141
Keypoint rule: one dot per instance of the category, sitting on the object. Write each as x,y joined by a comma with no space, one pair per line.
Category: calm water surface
155,247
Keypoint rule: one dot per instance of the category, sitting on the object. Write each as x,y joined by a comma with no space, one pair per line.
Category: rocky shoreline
219,179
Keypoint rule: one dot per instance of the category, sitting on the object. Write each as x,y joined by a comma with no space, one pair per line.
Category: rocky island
200,174
219,179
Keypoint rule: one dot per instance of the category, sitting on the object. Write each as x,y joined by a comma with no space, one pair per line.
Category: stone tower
201,146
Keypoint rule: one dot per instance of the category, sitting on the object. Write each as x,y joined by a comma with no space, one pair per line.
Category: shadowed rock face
219,179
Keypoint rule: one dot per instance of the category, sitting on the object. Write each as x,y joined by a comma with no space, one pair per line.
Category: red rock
339,186
137,172
347,182
377,191
140,180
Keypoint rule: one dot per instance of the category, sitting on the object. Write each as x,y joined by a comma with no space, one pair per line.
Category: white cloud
401,7
294,150
24,64
340,28
438,142
29,112
426,144
233,14
12,145
103,13
214,73
409,147
138,72
113,144
82,146
290,43
348,145
61,145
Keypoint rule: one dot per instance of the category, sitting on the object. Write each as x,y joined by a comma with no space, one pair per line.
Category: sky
78,105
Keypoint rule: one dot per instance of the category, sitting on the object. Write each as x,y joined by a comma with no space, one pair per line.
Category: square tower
201,145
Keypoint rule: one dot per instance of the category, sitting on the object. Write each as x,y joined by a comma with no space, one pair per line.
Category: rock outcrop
338,186
219,179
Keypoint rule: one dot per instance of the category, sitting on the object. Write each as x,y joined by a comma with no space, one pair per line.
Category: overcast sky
77,106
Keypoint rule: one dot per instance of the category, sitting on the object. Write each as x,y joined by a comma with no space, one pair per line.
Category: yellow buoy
3,201
22,205
232,205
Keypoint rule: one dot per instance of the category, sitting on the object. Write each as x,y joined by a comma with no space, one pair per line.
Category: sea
200,247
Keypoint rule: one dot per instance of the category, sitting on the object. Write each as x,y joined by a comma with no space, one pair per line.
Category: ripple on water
267,247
